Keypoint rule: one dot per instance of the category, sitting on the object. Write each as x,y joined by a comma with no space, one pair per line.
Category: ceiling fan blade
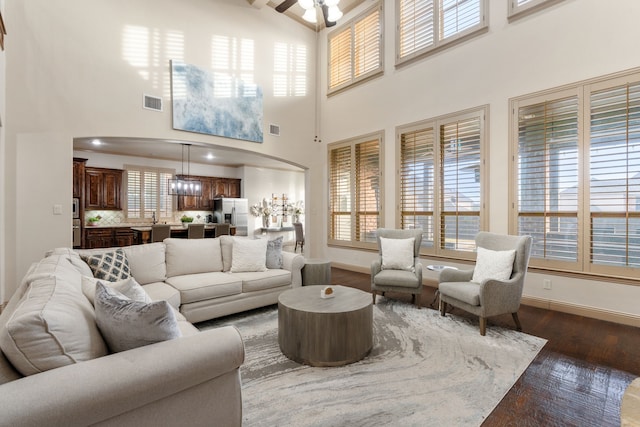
286,4
325,13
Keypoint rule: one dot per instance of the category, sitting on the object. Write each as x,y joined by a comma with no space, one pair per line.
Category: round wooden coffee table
325,332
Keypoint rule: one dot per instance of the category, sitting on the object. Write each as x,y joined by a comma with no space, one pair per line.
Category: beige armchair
476,292
388,275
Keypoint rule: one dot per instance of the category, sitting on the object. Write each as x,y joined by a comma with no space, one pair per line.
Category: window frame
157,210
438,249
352,143
437,43
516,11
583,90
350,27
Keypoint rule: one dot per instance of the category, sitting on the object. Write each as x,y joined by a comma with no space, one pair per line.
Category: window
577,173
518,8
425,25
147,193
355,50
355,194
441,165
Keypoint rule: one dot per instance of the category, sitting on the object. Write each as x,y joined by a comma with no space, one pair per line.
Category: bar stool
195,231
159,232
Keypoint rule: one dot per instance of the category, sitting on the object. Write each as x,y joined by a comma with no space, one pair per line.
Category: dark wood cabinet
98,238
211,187
103,189
95,238
78,176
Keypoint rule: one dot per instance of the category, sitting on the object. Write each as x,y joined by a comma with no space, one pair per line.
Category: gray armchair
490,297
392,280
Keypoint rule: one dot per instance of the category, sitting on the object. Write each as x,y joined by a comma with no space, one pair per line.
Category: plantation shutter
548,185
340,199
355,52
151,189
166,201
458,16
367,182
417,180
340,58
614,185
415,25
460,192
367,44
134,194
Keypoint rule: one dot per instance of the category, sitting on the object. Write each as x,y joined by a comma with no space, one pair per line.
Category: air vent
151,102
274,130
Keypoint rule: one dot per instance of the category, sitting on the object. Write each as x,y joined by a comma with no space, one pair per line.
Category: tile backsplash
115,218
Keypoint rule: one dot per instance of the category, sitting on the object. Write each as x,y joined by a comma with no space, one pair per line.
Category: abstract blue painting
215,103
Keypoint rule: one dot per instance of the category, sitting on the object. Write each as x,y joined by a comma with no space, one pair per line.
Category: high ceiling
172,150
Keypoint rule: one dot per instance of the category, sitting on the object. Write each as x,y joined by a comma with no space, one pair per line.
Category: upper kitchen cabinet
103,189
78,176
212,187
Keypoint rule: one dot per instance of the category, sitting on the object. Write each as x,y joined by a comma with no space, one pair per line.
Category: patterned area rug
423,370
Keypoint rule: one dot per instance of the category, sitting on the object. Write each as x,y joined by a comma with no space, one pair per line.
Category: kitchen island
142,234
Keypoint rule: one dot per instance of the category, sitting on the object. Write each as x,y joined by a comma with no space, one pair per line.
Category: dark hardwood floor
577,379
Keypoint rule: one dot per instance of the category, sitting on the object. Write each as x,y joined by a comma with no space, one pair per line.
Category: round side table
316,272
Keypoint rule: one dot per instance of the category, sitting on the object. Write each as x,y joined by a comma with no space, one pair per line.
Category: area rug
423,370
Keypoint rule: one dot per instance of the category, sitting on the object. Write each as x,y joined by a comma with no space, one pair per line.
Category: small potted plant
94,220
186,220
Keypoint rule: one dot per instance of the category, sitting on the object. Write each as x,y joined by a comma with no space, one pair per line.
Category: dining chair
159,232
195,231
299,231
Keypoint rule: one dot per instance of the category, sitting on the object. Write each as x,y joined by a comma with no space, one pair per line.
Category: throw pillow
53,325
127,324
248,255
127,287
397,254
274,253
495,265
111,266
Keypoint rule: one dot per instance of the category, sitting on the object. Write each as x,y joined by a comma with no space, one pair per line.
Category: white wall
71,72
568,42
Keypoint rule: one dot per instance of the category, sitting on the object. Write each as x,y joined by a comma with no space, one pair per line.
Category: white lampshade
306,4
310,15
334,14
330,3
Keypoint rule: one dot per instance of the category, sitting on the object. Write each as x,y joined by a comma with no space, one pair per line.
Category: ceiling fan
310,5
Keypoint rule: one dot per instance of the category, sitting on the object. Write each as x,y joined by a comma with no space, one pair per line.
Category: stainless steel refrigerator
233,211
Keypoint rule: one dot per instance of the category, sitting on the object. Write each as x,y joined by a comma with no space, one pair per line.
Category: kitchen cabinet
211,187
98,238
107,237
78,176
103,189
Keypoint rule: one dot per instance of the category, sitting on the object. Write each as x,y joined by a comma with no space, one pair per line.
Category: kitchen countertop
144,227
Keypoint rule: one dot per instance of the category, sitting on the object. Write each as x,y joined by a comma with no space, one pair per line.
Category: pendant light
185,186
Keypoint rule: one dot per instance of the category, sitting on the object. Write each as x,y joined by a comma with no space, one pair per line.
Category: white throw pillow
249,255
127,287
53,325
397,254
496,265
127,324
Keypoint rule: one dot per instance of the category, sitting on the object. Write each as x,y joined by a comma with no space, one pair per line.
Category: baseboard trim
563,307
582,310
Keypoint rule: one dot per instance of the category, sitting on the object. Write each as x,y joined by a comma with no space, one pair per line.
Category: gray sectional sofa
49,327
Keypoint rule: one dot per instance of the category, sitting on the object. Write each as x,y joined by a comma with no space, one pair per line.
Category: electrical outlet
546,284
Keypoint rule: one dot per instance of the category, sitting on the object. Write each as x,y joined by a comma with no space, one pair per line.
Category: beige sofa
49,327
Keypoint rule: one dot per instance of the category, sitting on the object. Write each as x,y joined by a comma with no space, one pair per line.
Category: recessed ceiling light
96,142
210,156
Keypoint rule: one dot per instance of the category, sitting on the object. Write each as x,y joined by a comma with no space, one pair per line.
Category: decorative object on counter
186,220
327,292
94,220
262,209
184,185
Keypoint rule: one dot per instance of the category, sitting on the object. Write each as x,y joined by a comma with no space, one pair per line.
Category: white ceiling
172,150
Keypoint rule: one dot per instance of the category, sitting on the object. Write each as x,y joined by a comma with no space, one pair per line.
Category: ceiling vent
151,102
274,130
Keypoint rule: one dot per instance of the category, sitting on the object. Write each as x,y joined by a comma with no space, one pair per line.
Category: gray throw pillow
274,253
111,266
127,324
